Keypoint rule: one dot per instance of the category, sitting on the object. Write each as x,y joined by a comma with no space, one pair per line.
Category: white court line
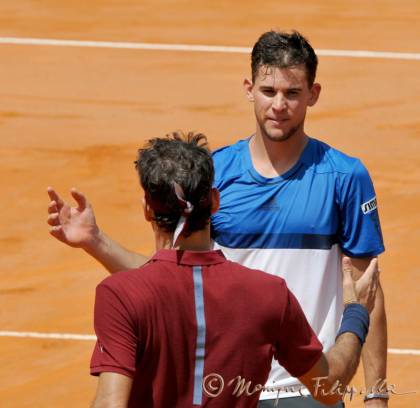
404,351
56,336
74,336
197,48
191,48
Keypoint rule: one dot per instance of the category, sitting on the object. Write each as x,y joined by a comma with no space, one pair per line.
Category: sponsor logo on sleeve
369,206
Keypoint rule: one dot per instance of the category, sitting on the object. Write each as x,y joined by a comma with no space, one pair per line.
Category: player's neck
274,158
197,241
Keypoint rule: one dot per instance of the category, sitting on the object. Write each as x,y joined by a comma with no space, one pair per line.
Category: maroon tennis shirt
193,329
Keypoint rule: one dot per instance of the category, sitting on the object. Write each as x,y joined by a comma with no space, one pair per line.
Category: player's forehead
294,76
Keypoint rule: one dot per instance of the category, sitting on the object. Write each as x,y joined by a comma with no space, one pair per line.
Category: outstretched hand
363,290
75,226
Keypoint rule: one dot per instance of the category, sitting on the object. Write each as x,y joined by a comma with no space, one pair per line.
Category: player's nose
279,102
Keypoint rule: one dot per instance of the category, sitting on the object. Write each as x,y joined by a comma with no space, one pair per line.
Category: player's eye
268,91
293,92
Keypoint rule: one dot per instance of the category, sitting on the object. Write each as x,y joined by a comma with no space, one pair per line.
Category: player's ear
315,91
148,212
248,87
215,200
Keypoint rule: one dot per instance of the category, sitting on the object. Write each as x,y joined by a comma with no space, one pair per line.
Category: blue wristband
355,320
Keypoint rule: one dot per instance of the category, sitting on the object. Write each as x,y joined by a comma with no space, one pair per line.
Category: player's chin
277,135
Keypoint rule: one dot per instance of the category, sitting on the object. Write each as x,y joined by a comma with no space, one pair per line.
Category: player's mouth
278,121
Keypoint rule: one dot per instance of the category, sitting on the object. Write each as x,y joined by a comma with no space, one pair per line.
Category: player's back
198,319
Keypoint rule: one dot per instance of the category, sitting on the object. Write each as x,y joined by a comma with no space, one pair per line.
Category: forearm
328,379
374,355
107,403
113,391
343,359
112,255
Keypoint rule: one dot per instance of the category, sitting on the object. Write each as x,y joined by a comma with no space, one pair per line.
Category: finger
378,270
349,294
347,267
53,219
377,279
371,272
80,198
57,232
52,207
374,283
55,197
375,286
373,269
372,293
376,276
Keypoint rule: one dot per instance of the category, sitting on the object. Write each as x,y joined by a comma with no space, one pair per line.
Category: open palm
75,226
362,290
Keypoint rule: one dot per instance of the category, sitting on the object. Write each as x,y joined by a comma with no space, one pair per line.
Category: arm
337,367
113,256
114,356
113,391
374,354
76,227
361,237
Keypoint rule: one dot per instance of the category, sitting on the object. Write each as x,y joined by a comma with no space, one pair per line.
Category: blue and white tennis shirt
295,226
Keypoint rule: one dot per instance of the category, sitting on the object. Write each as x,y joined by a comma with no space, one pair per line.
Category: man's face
281,97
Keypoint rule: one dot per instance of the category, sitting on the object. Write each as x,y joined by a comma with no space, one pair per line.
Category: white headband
187,210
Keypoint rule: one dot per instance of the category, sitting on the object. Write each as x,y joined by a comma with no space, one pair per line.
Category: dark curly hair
284,50
178,158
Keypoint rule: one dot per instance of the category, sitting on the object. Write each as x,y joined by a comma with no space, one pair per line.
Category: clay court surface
74,116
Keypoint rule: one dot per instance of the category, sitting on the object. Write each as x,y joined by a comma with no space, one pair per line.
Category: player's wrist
355,320
377,395
376,400
95,242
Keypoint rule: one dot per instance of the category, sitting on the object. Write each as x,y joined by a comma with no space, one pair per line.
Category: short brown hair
284,50
183,159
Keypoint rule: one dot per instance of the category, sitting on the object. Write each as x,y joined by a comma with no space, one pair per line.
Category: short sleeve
360,233
298,347
116,346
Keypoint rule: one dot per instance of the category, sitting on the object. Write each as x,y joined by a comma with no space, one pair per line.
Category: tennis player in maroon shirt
190,328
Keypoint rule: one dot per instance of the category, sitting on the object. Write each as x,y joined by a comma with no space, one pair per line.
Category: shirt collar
306,158
189,257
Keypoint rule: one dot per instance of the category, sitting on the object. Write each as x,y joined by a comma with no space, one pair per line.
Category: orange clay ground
75,117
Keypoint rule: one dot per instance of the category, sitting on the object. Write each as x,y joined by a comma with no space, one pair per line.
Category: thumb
57,232
80,199
347,268
349,294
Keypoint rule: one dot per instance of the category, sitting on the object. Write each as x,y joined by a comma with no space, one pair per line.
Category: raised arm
77,227
337,367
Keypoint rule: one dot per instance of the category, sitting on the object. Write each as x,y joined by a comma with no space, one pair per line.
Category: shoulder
327,158
346,169
228,159
127,280
114,289
229,150
128,289
117,280
271,291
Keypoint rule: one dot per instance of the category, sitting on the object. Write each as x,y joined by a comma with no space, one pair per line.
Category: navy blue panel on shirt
261,240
